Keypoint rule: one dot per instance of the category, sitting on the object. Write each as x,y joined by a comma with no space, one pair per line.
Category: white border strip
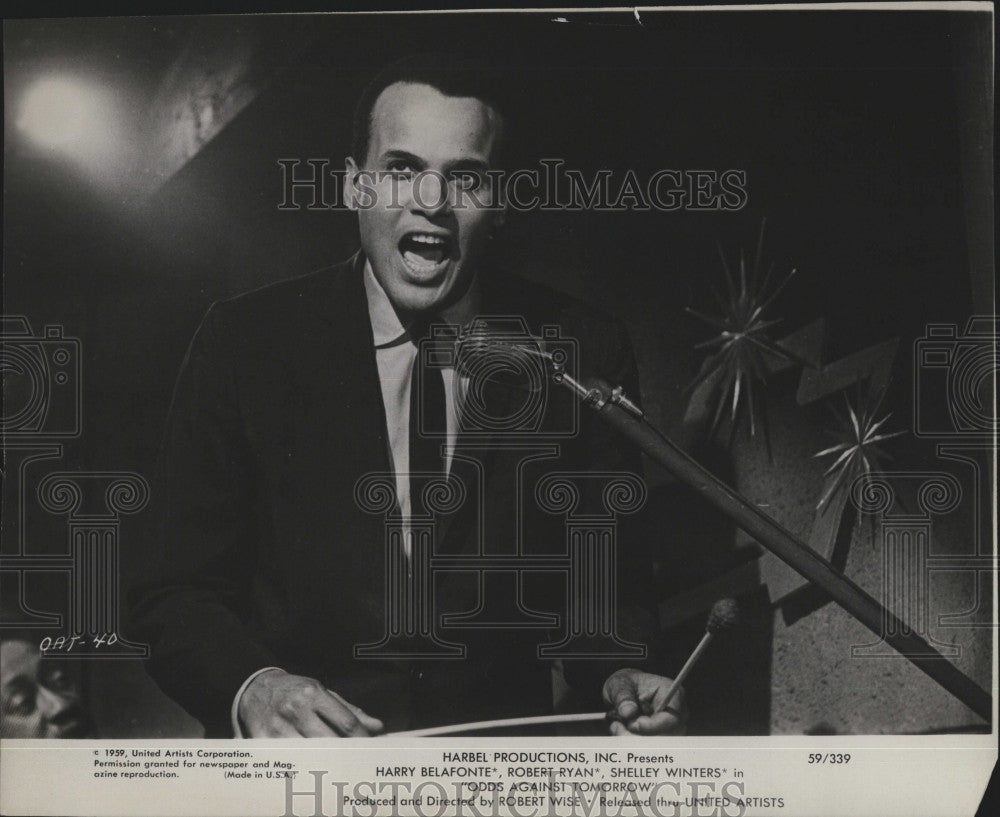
877,5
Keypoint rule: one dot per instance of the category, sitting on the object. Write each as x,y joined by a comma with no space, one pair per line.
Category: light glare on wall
87,123
64,114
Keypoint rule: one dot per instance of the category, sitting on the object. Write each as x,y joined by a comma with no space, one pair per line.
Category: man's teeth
423,250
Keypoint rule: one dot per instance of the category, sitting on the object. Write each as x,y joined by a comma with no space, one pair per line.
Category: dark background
860,134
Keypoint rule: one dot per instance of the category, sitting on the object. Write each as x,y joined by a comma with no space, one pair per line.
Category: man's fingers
620,692
310,725
618,728
373,725
676,702
272,727
638,704
660,723
279,705
337,712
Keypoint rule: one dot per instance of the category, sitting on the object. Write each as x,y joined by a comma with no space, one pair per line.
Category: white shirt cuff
234,712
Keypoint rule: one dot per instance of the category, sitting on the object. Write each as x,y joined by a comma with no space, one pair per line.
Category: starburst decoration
738,370
859,452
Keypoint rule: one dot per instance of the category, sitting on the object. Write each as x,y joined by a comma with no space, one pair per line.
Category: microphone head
501,347
724,615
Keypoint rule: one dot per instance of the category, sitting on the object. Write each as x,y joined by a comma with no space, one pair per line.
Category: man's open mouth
424,252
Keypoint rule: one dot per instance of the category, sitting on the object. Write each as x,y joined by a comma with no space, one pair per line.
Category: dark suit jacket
264,557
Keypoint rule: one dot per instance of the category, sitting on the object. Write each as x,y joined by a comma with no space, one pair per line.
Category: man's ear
350,183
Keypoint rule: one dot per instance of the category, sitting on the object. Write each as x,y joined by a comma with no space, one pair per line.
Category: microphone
502,352
724,615
498,336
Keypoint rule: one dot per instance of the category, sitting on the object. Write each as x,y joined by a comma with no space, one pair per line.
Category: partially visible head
426,132
39,697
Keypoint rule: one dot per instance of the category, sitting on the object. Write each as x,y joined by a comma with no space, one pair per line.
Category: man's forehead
419,119
17,657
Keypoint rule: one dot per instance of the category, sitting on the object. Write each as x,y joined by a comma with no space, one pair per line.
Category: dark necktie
428,423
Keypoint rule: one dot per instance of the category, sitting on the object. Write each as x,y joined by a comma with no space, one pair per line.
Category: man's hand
280,705
635,701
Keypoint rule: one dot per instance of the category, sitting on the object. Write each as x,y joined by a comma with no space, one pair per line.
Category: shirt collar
387,330
386,327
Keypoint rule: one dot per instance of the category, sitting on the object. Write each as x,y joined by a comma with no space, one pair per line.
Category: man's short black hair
451,74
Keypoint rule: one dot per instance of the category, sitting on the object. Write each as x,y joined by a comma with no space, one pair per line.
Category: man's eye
58,679
466,180
399,167
20,703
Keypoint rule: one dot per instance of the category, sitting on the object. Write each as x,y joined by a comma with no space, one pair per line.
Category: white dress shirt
395,352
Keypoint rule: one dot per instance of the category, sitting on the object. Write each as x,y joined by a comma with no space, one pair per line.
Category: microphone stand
612,406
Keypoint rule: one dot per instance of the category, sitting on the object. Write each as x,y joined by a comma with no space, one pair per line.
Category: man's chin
420,296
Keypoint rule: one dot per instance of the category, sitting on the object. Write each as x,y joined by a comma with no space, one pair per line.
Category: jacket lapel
346,398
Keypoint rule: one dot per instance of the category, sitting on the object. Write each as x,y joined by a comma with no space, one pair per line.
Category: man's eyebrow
401,155
16,682
468,166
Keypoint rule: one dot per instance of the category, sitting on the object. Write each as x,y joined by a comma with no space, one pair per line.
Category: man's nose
431,194
51,704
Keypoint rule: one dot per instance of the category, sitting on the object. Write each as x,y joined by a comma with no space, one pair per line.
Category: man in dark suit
271,574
